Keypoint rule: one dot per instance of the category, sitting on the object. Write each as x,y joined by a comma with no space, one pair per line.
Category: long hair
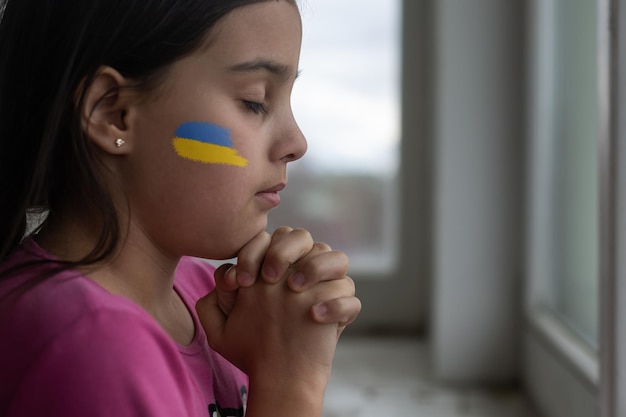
50,51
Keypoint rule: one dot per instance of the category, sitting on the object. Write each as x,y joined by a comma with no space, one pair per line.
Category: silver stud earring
119,142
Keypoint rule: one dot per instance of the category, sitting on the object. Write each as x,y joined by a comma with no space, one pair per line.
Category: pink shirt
70,348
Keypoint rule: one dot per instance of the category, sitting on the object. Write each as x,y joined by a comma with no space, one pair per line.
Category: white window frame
613,204
563,376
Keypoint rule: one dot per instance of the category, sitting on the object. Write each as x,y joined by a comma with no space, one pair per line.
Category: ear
104,111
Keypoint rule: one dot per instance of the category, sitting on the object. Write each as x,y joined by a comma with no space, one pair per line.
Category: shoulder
46,311
75,349
71,312
107,362
40,303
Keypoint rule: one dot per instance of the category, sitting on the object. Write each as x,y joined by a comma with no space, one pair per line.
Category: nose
292,144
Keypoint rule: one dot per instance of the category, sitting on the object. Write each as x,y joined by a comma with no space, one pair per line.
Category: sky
347,97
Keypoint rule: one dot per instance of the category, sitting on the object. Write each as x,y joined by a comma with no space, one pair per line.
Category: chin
230,248
226,251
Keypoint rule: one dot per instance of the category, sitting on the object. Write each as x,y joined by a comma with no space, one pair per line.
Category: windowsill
574,353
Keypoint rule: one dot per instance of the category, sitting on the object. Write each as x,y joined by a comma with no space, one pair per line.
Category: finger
211,317
225,277
226,287
250,257
321,264
286,247
342,310
334,301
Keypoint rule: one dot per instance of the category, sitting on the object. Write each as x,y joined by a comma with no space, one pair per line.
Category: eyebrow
281,71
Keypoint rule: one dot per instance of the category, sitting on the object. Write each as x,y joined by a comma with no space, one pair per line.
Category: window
562,360
564,165
347,104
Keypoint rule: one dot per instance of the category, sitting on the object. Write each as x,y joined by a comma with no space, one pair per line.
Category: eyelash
257,108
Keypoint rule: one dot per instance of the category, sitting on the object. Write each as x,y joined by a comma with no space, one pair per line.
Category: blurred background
456,155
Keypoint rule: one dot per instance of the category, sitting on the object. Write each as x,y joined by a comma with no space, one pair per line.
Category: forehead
262,36
272,28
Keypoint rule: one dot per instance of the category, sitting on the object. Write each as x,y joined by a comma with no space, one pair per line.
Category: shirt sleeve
108,363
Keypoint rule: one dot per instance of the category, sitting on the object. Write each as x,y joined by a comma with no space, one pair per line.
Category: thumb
226,287
211,316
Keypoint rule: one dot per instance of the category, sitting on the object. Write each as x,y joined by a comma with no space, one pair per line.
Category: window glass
565,164
347,103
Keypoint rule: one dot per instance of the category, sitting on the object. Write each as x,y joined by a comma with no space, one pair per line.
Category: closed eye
257,108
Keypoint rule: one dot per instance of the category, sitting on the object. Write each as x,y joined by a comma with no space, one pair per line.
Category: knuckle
221,270
302,233
351,283
251,251
313,269
321,247
264,235
282,230
246,263
344,309
342,256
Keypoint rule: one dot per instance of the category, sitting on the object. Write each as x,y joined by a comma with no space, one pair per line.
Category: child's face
185,201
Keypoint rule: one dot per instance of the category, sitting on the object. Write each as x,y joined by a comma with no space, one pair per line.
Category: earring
119,142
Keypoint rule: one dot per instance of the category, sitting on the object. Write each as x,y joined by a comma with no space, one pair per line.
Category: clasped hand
283,306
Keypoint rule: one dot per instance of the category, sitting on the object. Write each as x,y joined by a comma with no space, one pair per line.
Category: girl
134,134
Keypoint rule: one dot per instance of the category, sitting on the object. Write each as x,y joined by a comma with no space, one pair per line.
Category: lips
270,196
274,189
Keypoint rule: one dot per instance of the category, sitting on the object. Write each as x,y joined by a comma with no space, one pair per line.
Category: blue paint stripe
205,132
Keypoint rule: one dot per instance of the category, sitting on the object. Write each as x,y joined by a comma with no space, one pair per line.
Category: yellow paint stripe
208,153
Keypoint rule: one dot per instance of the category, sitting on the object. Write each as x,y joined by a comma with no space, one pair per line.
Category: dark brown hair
50,51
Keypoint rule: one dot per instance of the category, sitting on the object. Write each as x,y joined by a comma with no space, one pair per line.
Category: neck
136,270
145,275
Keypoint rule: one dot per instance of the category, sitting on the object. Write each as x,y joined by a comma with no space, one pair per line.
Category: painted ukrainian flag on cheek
207,143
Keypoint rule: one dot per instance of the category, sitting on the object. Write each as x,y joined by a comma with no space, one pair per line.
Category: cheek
195,180
206,143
